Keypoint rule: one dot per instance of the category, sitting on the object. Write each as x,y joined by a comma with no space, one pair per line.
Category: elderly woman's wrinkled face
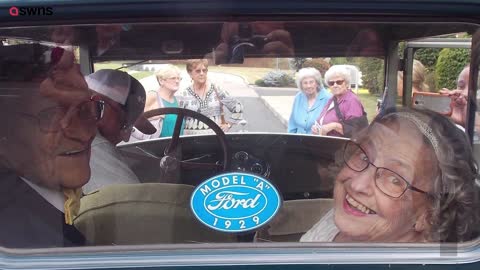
309,86
199,74
171,82
49,141
363,212
337,85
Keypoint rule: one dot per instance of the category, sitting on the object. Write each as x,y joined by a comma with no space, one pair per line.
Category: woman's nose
363,182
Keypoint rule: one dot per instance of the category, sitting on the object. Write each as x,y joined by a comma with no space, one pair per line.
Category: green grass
141,74
107,65
115,65
369,102
248,73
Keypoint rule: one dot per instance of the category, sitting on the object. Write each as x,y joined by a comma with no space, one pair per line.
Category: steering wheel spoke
176,134
175,142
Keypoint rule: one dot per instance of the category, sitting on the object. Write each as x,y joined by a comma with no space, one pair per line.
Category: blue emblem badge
235,202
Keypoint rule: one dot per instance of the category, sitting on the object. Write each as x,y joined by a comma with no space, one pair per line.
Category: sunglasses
338,82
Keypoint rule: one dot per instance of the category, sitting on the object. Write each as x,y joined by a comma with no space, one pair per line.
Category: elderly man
48,123
124,99
459,97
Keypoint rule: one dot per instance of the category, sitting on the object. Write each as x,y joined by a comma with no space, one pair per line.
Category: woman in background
309,101
330,123
168,78
208,99
418,79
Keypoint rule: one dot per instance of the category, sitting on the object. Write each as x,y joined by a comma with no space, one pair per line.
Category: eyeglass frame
337,82
174,78
200,71
100,107
408,187
125,128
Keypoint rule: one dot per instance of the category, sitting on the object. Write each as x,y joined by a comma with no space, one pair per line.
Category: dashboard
301,166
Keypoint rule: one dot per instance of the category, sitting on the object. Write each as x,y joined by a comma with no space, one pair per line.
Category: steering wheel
171,148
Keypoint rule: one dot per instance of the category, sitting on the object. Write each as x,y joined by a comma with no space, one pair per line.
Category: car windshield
238,132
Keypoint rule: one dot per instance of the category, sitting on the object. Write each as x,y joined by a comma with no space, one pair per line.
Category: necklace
202,90
203,101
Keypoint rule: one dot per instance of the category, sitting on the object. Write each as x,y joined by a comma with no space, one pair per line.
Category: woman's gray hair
308,72
340,71
454,214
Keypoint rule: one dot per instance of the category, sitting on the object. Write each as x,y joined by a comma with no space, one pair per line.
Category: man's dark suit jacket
27,220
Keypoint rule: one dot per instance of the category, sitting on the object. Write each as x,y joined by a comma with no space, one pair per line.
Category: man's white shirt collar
54,197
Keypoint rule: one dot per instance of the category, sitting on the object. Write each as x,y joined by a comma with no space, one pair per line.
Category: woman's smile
354,207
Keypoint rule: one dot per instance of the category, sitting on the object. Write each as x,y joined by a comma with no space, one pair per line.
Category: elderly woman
343,106
309,101
46,135
410,177
168,78
207,98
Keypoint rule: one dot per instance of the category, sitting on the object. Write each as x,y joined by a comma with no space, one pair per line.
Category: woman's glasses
200,70
386,180
338,82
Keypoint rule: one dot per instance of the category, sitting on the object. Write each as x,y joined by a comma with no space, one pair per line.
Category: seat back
150,213
294,219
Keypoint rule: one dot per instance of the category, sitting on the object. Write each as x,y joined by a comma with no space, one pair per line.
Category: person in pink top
330,121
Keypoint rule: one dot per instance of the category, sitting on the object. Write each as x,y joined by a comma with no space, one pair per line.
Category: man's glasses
386,180
53,119
338,82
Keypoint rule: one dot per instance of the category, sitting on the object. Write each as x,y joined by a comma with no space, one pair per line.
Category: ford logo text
235,202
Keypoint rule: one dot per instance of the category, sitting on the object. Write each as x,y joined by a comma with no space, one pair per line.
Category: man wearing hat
124,99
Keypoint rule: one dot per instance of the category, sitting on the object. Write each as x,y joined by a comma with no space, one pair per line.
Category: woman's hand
329,127
316,128
225,127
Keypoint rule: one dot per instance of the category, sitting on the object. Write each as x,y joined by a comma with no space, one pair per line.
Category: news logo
30,11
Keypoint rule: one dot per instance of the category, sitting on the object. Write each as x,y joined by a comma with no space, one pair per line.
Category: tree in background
449,64
372,73
318,63
297,63
428,57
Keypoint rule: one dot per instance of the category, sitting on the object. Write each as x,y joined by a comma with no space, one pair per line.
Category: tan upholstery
143,214
294,219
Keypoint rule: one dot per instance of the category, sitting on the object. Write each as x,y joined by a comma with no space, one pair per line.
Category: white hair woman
168,78
309,101
409,177
343,106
